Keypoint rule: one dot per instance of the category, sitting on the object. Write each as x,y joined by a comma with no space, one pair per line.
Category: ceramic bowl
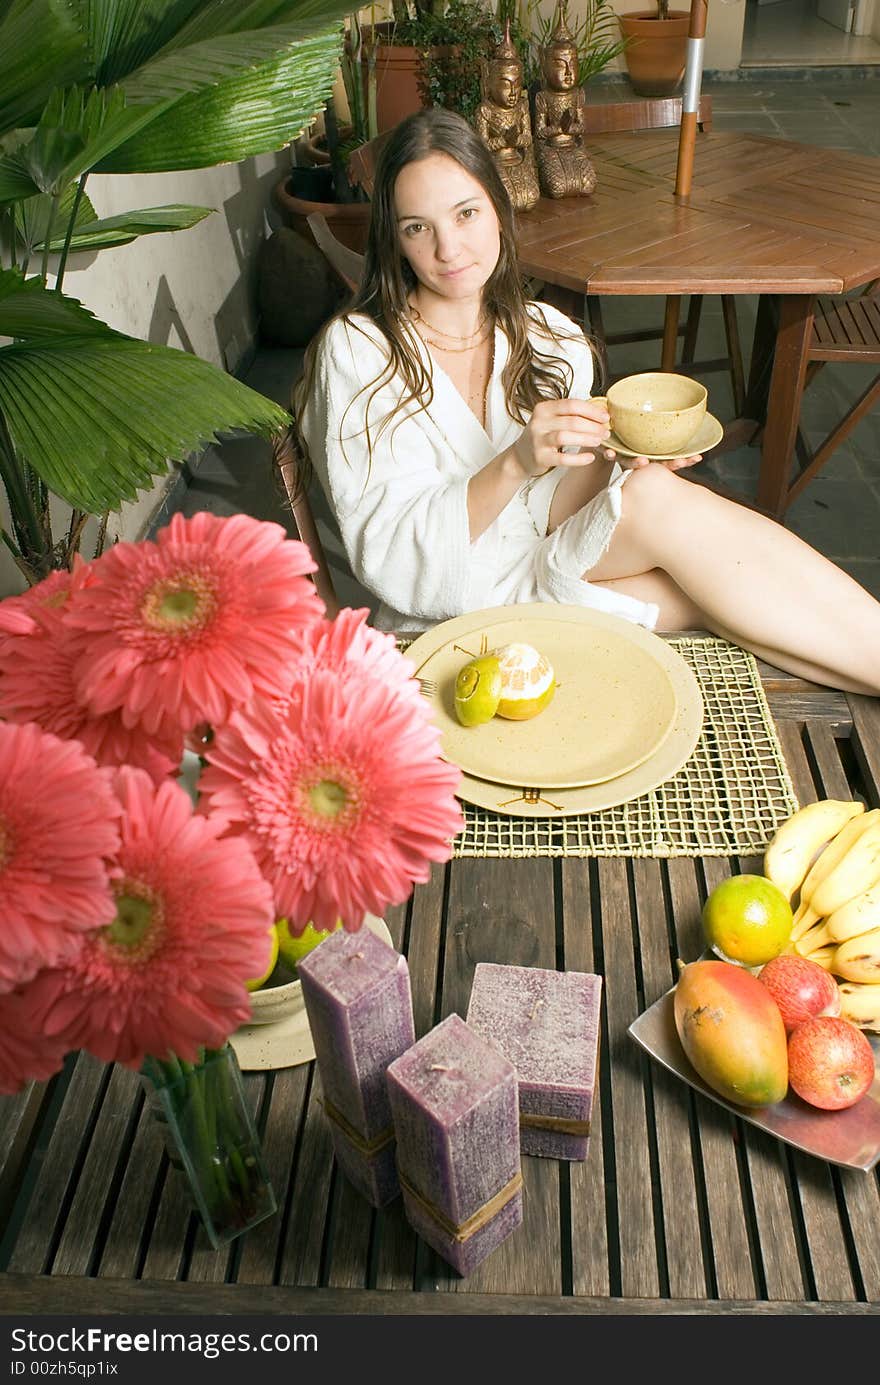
656,413
282,996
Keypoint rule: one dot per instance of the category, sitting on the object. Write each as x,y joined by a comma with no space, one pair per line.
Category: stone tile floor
839,513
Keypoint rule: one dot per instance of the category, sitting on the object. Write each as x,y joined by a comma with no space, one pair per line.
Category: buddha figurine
502,122
564,168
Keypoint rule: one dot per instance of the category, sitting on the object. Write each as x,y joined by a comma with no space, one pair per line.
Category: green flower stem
227,1105
201,1108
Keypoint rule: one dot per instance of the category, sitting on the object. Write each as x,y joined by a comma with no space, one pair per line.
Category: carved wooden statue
502,122
564,167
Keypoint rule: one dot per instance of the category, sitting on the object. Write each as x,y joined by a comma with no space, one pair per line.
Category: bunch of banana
837,920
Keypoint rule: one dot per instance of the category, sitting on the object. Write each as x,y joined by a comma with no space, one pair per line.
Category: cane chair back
290,471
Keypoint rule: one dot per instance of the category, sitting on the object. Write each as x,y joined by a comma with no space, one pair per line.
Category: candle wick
355,956
438,1067
538,1003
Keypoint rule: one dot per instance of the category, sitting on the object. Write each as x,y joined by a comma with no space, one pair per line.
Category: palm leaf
32,216
256,93
41,48
120,230
31,311
99,419
75,132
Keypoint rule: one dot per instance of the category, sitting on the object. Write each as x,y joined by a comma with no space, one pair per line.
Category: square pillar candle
358,1001
453,1099
547,1024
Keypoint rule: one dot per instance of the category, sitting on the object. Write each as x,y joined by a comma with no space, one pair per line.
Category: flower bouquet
132,917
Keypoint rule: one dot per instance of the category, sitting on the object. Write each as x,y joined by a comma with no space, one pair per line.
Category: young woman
450,423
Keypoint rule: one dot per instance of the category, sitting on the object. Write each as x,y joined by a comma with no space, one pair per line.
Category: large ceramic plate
678,746
613,708
850,1138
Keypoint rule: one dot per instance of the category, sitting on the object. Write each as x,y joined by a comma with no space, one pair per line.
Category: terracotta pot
348,221
397,84
656,58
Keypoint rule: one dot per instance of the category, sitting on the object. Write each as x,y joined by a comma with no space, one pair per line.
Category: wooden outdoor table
679,1208
765,216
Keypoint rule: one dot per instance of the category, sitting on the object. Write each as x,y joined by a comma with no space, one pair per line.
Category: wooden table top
764,216
679,1207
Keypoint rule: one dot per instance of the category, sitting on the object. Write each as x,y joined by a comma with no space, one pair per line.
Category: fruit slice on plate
527,681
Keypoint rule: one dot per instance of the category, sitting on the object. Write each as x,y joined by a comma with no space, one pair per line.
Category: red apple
830,1062
801,989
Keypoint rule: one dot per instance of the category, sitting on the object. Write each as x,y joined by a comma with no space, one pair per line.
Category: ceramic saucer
709,434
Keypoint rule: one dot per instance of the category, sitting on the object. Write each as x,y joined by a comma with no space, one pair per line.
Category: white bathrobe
402,513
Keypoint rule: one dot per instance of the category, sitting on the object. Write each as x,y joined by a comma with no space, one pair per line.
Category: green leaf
75,132
98,420
41,48
32,217
257,92
97,234
29,310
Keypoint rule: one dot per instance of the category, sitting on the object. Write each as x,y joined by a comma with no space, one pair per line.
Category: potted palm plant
88,415
323,185
656,52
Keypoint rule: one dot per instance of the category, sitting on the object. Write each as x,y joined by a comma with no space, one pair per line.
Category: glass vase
211,1137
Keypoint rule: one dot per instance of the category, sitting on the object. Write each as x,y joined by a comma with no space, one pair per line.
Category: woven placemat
728,799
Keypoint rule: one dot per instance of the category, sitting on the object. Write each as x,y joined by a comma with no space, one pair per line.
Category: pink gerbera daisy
192,925
37,684
26,1054
351,648
342,795
58,831
190,626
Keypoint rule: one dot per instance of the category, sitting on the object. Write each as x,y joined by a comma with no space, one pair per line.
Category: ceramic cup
656,413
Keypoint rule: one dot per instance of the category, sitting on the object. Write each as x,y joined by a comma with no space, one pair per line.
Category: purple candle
453,1099
547,1024
357,997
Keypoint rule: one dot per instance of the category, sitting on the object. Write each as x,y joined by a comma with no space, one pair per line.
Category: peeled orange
527,681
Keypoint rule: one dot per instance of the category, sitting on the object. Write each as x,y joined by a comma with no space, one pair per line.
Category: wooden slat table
680,1207
768,217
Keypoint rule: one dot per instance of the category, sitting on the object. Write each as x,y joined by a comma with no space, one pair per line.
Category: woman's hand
671,463
562,432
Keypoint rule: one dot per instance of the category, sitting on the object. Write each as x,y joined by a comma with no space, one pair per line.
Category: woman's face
446,226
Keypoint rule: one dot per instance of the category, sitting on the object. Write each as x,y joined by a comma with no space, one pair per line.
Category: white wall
193,289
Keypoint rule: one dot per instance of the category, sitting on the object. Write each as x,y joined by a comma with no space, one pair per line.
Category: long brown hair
529,374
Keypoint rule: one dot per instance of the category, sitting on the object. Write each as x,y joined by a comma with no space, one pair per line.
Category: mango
731,1029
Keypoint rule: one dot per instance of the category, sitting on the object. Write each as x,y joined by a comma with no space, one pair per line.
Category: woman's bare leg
753,580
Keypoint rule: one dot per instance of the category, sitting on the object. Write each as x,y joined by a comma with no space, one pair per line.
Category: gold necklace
482,394
451,336
453,350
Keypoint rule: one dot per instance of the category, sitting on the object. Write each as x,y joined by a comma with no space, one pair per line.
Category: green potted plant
596,35
656,51
87,414
322,184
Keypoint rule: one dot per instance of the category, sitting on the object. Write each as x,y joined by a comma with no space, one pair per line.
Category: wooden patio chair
844,330
346,263
290,471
